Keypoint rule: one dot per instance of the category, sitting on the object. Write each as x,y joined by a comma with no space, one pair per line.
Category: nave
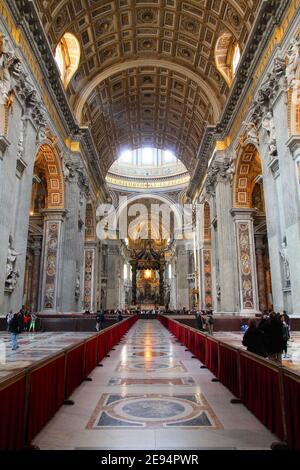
151,394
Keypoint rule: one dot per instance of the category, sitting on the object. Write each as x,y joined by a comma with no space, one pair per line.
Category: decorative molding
20,167
4,144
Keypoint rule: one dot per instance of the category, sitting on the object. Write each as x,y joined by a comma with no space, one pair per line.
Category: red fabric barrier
228,369
292,410
184,334
12,409
49,385
261,393
200,347
90,355
191,340
101,347
212,356
45,395
75,369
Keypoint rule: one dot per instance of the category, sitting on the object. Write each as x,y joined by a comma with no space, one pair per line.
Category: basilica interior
149,173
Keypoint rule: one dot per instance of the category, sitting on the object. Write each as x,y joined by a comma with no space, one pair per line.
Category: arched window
236,59
67,56
228,56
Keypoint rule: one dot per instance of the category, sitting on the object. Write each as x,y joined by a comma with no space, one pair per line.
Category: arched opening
206,261
67,56
228,56
47,194
249,194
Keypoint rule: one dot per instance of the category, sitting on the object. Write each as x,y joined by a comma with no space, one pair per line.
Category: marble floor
33,347
151,394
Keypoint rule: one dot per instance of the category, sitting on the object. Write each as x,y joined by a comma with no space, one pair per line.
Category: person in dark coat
254,339
199,321
14,329
275,343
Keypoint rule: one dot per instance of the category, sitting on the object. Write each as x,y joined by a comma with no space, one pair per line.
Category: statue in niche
293,62
218,293
269,126
251,131
77,288
11,272
5,78
285,260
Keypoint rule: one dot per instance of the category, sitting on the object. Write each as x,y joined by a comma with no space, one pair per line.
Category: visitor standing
254,339
9,317
199,321
210,323
32,323
285,336
14,329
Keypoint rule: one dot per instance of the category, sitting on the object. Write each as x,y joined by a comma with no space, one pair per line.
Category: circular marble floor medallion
153,409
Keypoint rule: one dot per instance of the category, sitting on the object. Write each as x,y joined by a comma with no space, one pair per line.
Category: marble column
50,299
261,279
89,277
162,285
134,274
292,213
182,275
227,292
16,169
243,219
72,278
206,276
113,275
35,276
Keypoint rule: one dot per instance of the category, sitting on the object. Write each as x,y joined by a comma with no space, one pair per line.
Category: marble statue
11,272
251,131
77,288
5,78
269,126
293,62
285,259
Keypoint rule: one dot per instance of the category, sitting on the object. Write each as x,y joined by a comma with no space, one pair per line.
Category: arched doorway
249,198
47,205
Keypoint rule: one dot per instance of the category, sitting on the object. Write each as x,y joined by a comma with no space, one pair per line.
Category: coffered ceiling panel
148,106
161,105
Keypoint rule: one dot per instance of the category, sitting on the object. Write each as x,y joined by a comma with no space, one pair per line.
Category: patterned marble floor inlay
151,366
151,386
153,411
154,381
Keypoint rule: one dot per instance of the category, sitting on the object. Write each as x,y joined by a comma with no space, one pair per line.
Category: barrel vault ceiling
147,74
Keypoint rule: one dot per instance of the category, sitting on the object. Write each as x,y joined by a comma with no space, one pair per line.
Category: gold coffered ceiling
147,74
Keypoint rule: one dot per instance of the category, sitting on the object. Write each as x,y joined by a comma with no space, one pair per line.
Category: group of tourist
17,323
205,321
269,337
117,314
